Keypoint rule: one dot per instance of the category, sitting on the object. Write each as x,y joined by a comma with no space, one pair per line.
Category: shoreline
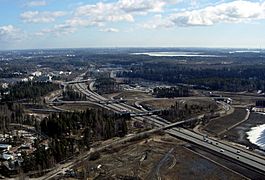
256,136
247,133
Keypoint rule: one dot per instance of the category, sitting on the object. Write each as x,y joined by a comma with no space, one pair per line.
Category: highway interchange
235,153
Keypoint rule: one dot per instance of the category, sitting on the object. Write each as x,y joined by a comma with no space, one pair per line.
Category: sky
39,24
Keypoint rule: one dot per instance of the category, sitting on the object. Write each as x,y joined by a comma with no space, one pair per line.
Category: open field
154,158
160,103
216,126
133,95
167,103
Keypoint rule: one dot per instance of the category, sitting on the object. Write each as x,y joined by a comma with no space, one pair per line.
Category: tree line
28,90
234,78
171,92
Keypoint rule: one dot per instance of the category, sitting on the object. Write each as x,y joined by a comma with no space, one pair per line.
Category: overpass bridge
77,81
144,113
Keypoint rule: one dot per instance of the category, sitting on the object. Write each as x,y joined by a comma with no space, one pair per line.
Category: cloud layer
233,12
112,16
10,33
36,3
99,14
41,17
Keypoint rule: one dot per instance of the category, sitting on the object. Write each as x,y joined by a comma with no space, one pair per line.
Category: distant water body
246,51
256,136
175,54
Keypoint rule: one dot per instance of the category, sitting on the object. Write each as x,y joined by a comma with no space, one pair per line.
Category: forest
72,132
14,113
27,90
181,111
234,78
71,95
102,124
106,85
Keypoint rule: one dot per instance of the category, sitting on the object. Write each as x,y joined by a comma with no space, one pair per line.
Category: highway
241,156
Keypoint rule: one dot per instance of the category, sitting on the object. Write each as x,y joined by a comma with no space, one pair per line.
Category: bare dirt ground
216,126
160,104
158,157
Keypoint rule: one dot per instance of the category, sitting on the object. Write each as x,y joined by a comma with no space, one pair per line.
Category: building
31,78
46,78
36,73
4,85
260,106
25,80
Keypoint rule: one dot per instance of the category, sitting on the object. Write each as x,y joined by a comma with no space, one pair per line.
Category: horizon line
133,47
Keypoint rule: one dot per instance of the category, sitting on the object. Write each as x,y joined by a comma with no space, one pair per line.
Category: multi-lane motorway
242,156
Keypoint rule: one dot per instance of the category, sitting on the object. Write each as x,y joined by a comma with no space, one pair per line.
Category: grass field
238,134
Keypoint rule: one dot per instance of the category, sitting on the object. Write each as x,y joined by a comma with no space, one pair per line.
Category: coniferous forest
66,139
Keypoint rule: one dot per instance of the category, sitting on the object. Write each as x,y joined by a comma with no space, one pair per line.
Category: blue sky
27,24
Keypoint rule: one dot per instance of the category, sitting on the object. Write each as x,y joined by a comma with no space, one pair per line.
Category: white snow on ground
257,136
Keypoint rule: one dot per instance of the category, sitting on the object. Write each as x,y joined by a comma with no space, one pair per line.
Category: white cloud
114,30
121,10
142,6
100,14
158,21
57,30
36,3
77,21
10,33
232,12
41,17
